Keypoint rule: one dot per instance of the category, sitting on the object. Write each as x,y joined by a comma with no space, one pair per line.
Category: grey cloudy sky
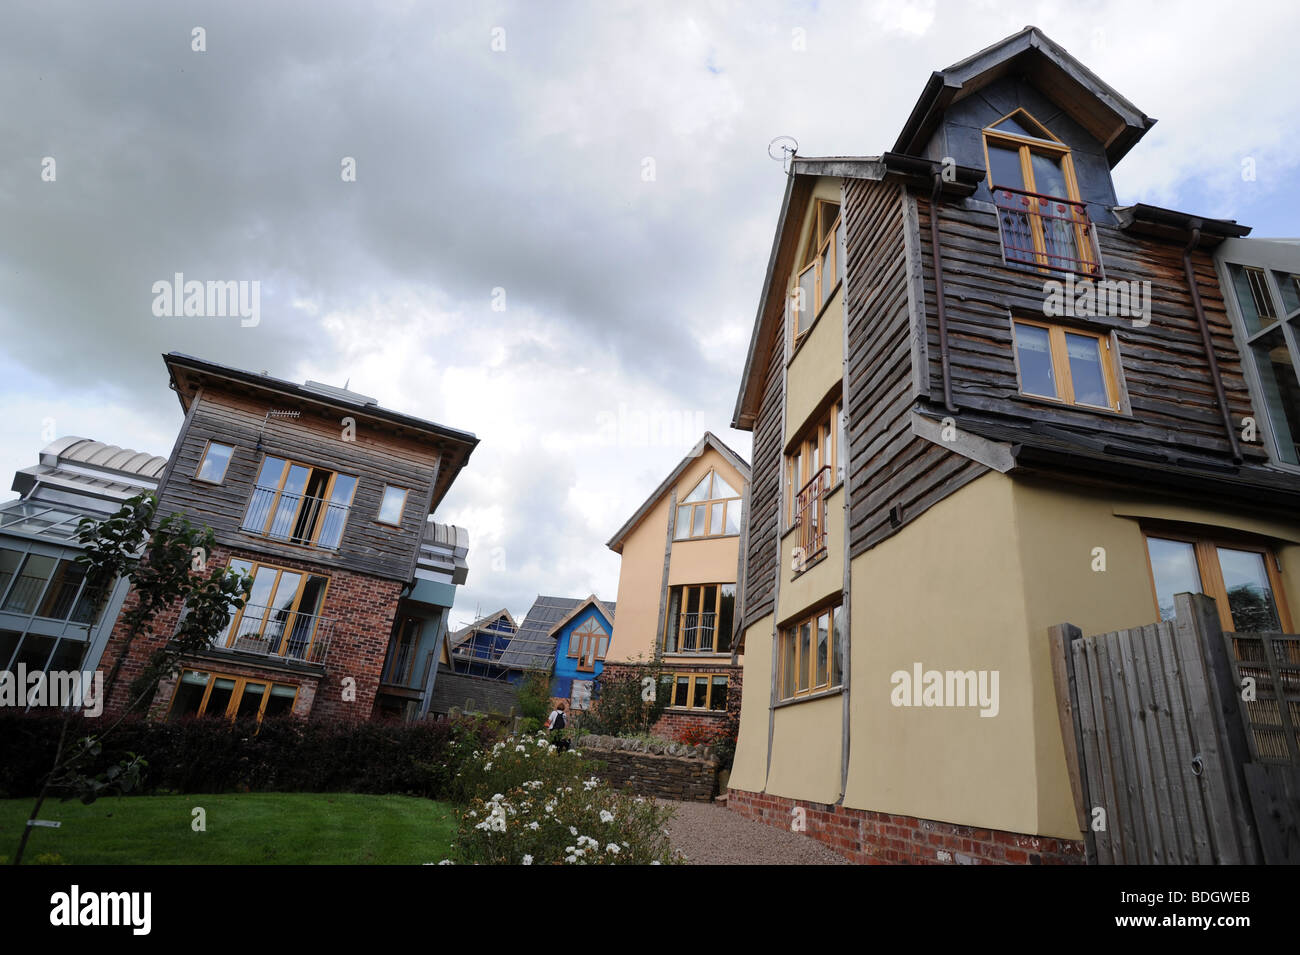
520,169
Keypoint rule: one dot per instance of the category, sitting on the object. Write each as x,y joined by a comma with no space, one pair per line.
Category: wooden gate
1168,762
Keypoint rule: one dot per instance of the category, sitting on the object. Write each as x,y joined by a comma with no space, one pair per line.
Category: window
1272,336
282,616
810,469
299,503
808,655
200,693
216,458
1069,365
712,509
588,642
390,509
820,269
52,588
697,691
1243,578
700,619
400,667
1031,177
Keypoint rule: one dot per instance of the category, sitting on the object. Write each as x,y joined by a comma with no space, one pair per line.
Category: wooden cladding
364,545
1162,362
893,470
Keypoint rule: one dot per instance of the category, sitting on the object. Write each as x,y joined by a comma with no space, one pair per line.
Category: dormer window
820,268
1031,176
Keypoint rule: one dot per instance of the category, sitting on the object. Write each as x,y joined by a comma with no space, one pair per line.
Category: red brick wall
363,608
877,838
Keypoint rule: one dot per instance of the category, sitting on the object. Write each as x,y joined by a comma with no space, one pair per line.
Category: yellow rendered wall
749,770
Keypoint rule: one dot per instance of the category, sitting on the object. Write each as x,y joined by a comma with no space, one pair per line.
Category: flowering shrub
528,804
697,736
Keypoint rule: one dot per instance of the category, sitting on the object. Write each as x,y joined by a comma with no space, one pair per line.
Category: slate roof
532,647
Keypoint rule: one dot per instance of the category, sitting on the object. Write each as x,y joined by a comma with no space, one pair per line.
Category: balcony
1047,232
295,518
697,633
810,519
280,634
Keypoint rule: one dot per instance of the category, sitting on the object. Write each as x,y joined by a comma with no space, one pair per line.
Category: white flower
487,765
570,858
612,848
606,816
446,862
528,860
519,749
573,831
533,825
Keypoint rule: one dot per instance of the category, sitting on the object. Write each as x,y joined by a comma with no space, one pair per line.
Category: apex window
588,642
712,509
1031,176
299,503
1070,365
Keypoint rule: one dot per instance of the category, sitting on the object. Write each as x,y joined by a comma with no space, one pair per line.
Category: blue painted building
581,641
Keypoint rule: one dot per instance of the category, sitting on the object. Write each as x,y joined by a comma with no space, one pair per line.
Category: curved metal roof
110,457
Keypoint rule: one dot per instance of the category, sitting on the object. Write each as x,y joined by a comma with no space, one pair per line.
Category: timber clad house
324,498
950,457
677,586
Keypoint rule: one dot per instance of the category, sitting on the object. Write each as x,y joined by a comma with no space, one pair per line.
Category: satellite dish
782,148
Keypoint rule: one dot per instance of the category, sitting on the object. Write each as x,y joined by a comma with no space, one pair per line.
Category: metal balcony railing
276,632
697,632
810,516
296,518
1046,231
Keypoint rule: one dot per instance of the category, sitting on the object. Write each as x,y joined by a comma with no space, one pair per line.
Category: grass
242,829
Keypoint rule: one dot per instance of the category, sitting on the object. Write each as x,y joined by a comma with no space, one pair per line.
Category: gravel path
710,834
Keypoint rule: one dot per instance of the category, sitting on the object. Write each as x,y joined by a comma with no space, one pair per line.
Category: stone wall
672,771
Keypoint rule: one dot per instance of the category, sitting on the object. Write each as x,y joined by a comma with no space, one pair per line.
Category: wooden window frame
233,627
1205,551
682,612
289,463
204,456
691,676
1052,146
406,494
707,504
799,456
585,648
790,632
819,242
235,695
1110,364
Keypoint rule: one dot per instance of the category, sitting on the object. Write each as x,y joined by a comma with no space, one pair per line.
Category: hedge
286,754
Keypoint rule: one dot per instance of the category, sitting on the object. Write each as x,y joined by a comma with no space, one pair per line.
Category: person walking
555,723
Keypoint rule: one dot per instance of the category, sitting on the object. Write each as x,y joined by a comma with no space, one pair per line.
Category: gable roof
459,636
533,646
1092,103
710,440
606,611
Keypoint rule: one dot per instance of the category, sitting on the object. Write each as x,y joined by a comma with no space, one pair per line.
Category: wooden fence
1168,762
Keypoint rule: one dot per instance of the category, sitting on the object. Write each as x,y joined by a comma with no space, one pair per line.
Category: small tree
628,700
164,566
535,695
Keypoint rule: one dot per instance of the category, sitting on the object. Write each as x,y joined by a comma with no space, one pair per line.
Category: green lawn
247,829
